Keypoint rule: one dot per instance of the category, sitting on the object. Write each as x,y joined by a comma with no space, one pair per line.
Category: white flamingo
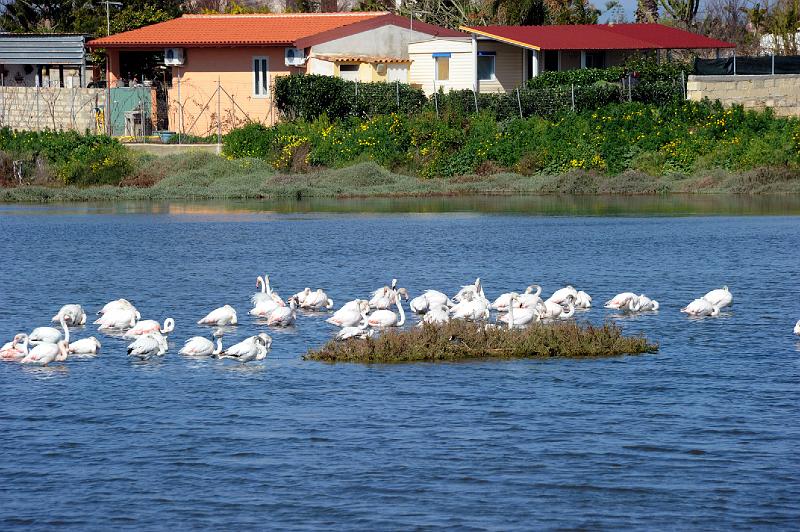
12,349
560,296
199,346
720,298
146,346
518,316
583,300
476,289
219,317
646,304
797,327
44,354
85,347
146,326
471,307
301,296
284,316
72,314
117,304
504,300
48,335
265,294
252,348
360,331
428,300
437,316
316,300
700,307
623,301
350,314
120,318
549,310
387,318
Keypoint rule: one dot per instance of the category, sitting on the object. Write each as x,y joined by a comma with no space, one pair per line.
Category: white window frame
493,77
263,75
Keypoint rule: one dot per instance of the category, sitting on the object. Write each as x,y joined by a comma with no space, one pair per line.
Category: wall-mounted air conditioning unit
174,56
294,56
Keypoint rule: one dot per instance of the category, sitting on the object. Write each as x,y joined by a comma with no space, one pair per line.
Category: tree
571,12
519,12
447,13
682,11
647,11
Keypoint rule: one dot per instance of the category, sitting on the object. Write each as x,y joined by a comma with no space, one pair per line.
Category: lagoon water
703,434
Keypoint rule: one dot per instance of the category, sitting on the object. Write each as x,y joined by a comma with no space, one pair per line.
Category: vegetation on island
463,340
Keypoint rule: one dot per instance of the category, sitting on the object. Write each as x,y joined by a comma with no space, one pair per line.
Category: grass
461,340
207,176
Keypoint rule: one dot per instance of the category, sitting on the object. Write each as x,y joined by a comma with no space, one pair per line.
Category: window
551,60
486,66
260,77
595,59
442,67
348,72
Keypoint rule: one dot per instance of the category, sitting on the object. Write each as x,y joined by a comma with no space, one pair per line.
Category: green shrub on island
66,157
679,138
463,340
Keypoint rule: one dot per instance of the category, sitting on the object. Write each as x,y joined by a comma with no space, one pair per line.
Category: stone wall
34,109
781,92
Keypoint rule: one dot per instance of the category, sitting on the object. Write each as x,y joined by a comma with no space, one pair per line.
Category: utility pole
108,14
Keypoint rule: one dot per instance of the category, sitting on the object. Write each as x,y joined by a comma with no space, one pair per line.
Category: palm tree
519,12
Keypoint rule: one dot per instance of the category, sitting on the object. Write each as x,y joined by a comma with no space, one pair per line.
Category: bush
310,96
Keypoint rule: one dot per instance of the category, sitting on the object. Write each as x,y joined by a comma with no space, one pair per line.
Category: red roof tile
232,30
599,37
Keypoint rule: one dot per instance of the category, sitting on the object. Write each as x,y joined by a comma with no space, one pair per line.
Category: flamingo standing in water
252,348
350,313
219,317
146,326
85,347
429,300
624,301
284,316
119,318
797,327
700,307
148,345
72,314
437,316
387,318
12,349
117,304
720,298
518,316
201,347
361,331
316,300
44,353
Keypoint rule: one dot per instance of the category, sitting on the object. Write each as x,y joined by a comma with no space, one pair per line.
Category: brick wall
33,109
781,92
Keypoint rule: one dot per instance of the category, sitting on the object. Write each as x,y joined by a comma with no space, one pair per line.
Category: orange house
243,54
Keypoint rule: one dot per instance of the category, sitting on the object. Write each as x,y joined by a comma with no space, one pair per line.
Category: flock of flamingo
359,318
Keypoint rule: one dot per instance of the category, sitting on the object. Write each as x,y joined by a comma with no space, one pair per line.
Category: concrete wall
781,92
386,41
33,109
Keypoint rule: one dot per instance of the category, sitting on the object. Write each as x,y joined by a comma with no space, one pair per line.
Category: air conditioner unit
173,56
294,56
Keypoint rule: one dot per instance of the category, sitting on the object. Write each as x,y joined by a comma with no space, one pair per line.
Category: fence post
519,103
219,117
3,96
397,92
573,97
38,115
475,97
734,62
630,96
773,64
683,84
436,103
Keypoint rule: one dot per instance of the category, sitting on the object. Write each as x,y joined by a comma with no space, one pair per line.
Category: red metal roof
599,37
233,30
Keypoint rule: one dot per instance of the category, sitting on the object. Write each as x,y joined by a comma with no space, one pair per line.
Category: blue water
703,434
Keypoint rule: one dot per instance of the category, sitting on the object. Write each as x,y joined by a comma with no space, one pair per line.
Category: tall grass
460,340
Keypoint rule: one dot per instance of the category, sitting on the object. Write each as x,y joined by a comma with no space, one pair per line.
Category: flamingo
476,289
549,310
384,298
387,318
201,347
73,314
361,331
302,295
797,327
701,307
148,345
646,304
428,300
146,326
48,335
115,305
85,346
720,297
12,351
623,301
44,354
284,316
350,314
120,318
224,315
437,316
471,307
316,300
252,348
560,295
520,316
504,300
583,300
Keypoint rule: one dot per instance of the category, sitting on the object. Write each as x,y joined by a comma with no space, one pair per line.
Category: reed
461,340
